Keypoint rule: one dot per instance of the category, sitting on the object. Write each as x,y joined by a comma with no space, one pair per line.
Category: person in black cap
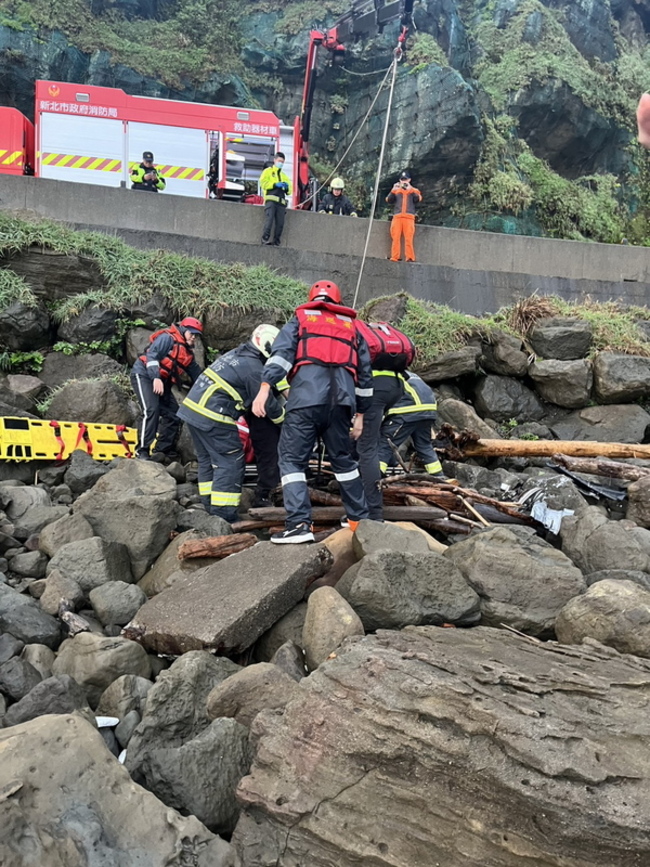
146,177
405,200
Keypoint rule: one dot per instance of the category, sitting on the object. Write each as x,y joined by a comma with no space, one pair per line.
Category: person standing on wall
405,200
169,356
276,189
412,417
327,363
336,202
216,400
146,176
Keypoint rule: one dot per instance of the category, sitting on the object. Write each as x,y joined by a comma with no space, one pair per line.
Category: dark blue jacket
317,384
161,347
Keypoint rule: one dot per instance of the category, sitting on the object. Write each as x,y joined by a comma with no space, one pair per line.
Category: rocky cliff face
513,115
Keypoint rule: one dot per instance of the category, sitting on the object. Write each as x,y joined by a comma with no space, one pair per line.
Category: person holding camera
146,177
276,189
405,200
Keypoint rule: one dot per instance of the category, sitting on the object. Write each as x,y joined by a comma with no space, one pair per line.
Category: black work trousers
274,212
265,437
398,429
300,431
387,390
220,455
158,416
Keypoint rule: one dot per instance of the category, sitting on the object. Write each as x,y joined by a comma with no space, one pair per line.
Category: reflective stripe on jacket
227,388
138,181
419,400
268,179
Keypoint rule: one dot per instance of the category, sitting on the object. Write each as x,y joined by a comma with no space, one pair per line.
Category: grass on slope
188,284
435,328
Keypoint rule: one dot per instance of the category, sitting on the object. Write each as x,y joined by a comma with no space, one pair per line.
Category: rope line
393,66
355,137
364,74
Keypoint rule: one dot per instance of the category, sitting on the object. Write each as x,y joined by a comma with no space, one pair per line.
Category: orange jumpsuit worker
404,197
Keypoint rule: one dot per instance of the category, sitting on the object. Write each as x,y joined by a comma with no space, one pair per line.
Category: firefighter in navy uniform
328,366
336,202
146,177
412,416
168,357
216,400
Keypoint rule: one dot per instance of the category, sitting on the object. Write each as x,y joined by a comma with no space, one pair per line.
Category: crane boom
365,19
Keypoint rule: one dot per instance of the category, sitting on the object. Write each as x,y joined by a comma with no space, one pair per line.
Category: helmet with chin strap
191,324
338,184
325,289
262,338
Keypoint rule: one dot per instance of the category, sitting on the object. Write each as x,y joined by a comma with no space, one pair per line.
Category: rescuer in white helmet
221,394
336,202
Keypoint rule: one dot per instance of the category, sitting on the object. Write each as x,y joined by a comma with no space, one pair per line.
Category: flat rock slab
228,605
458,748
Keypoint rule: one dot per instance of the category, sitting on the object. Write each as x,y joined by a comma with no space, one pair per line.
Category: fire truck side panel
180,155
85,150
16,141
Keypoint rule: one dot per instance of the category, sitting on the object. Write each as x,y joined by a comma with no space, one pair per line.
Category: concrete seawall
474,272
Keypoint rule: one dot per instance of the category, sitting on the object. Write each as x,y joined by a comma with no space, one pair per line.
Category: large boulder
92,562
177,752
638,502
126,694
95,661
621,378
391,589
437,746
58,367
17,678
116,603
93,324
57,694
25,327
594,543
136,342
249,691
502,398
168,567
624,423
503,355
287,629
17,500
86,809
615,613
99,401
34,520
69,528
564,383
83,471
373,536
133,505
462,416
450,365
22,617
330,620
522,581
229,605
564,339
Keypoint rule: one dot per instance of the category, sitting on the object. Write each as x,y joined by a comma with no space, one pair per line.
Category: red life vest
327,336
179,359
390,349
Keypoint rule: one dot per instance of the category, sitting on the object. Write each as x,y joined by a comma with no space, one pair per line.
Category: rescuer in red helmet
327,363
169,356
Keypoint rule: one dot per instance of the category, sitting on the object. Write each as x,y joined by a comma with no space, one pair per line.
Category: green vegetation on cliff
132,276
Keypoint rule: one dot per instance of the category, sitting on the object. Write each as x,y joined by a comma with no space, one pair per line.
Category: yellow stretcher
30,439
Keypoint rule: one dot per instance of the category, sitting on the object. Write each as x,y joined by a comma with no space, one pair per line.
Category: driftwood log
333,514
216,547
541,448
597,467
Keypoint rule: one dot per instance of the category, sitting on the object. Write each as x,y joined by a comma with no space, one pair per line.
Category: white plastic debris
122,757
550,518
107,722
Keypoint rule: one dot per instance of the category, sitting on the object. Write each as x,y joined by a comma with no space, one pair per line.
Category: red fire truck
89,134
